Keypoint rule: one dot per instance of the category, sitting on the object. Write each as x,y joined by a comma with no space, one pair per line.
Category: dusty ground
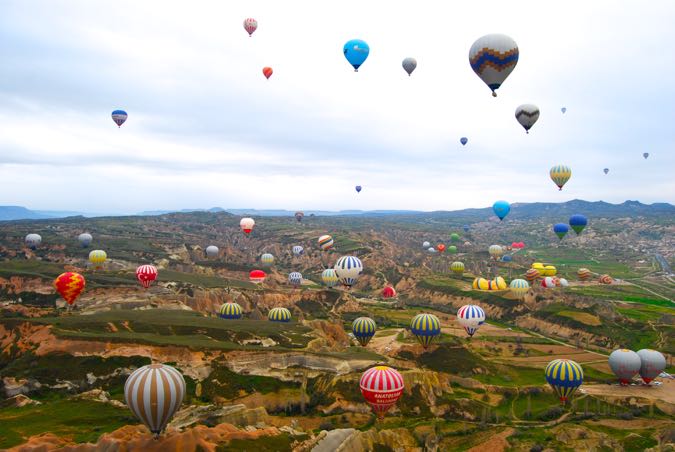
664,392
497,443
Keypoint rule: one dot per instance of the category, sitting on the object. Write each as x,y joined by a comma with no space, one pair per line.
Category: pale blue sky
207,129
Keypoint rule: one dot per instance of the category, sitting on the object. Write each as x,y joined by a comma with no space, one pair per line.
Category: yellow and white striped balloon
560,174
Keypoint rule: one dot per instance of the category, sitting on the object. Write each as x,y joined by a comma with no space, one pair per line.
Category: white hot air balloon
348,270
85,239
527,115
493,57
212,251
33,241
409,65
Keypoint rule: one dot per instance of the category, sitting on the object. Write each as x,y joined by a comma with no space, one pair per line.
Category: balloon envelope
493,57
363,329
119,116
561,229
358,189
267,72
464,140
69,285
146,274
625,364
527,115
250,25
645,155
564,109
381,386
501,209
564,376
409,65
356,51
85,239
606,170
578,223
560,174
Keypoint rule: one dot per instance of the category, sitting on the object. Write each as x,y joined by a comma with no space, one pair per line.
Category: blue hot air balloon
501,209
464,140
356,51
578,223
358,189
560,229
119,116
507,258
466,228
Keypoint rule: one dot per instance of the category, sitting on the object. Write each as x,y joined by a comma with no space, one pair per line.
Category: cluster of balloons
626,364
497,283
544,270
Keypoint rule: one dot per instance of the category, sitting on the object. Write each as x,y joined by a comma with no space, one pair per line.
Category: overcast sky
207,129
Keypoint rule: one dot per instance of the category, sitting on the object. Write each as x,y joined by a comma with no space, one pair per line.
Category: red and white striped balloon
381,386
250,25
146,274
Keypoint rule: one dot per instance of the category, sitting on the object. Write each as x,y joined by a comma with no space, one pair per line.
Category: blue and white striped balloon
471,317
348,270
298,250
295,278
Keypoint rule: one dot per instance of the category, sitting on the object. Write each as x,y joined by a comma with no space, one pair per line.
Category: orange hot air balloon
69,285
440,247
267,72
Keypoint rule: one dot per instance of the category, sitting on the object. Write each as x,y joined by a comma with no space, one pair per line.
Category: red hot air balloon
440,247
388,292
69,285
381,386
257,276
146,274
267,72
250,25
246,225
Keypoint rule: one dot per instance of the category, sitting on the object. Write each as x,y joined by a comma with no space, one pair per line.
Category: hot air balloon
561,229
501,209
212,251
457,267
267,259
348,270
532,274
466,228
363,329
625,364
267,72
454,237
564,109
388,292
584,274
606,170
69,285
257,276
356,51
230,311
560,174
409,65
119,116
154,393
493,57
471,317
507,258
246,225
426,245
652,363
298,250
295,278
519,287
326,242
498,284
85,239
564,376
425,327
299,216
358,189
440,247
548,282
279,315
381,386
527,115
97,258
496,251
250,25
329,277
432,250
452,249
146,274
578,223
33,241
563,282
605,279
464,140
645,155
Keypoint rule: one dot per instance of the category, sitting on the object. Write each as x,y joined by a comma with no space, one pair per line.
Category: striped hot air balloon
388,292
69,285
154,393
584,274
548,282
119,117
348,270
230,311
250,25
295,278
425,327
381,386
560,174
279,315
457,268
97,258
363,329
146,274
267,259
329,277
564,376
325,242
496,251
527,115
493,57
519,287
257,276
605,279
471,317
532,274
298,250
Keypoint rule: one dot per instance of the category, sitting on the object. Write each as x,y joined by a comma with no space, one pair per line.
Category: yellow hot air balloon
499,283
457,267
519,287
97,258
560,174
550,270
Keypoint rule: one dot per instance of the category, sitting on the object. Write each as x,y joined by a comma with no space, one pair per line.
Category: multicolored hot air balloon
279,315
548,282
298,250
348,270
560,174
326,242
584,274
230,311
652,363
267,259
356,51
578,223
154,393
295,278
564,376
97,258
561,229
257,276
527,115
532,274
501,209
267,72
363,329
493,57
299,216
33,241
425,327
246,225
625,364
119,117
358,189
388,292
457,267
381,386
212,251
69,285
409,65
471,317
250,25
146,274
464,140
329,277
85,239
519,287
495,251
